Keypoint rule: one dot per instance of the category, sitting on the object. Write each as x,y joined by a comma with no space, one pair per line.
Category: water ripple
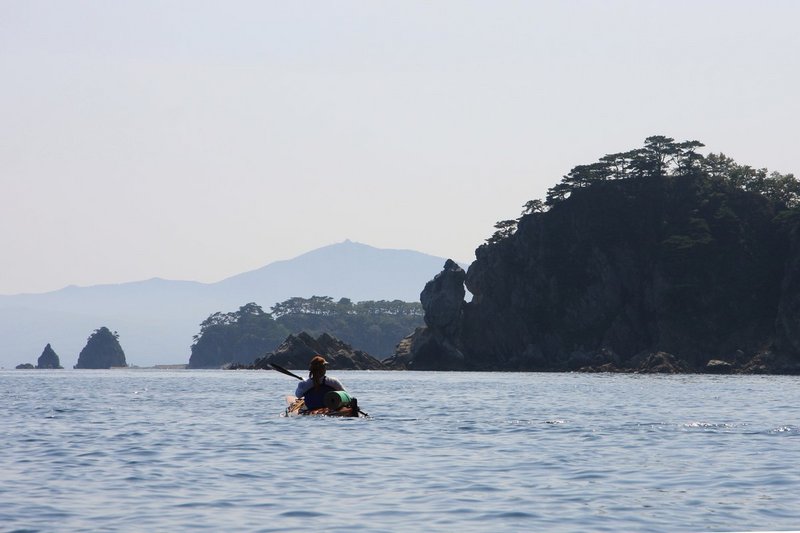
137,450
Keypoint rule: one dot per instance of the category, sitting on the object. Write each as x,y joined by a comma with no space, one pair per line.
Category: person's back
313,389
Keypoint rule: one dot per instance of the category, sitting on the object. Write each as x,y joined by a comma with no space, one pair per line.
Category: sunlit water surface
136,450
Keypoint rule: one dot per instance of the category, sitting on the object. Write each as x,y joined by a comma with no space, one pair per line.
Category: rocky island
48,359
102,350
297,350
658,259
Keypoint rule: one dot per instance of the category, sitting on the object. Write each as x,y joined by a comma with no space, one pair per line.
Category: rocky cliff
681,271
435,347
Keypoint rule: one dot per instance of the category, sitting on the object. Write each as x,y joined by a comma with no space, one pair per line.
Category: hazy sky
196,140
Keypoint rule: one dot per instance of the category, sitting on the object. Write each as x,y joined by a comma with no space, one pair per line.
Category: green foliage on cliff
242,336
102,350
663,159
372,326
236,337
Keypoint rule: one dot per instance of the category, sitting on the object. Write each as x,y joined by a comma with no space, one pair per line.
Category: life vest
315,398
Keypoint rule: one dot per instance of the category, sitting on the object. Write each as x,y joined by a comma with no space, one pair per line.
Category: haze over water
134,450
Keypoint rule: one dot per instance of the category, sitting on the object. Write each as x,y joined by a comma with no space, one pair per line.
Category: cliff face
435,347
624,269
788,321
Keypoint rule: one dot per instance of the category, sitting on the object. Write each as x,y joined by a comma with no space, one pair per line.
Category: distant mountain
157,318
348,269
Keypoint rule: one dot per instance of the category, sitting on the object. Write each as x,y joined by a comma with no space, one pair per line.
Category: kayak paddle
284,371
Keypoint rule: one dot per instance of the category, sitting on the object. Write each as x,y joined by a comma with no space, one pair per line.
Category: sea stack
102,350
48,359
433,347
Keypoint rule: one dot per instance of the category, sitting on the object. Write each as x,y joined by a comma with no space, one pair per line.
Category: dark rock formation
48,359
237,366
654,274
662,363
606,368
404,354
426,350
768,362
433,347
25,366
787,323
102,350
443,299
297,350
628,268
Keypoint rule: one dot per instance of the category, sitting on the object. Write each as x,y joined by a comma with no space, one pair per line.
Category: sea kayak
297,407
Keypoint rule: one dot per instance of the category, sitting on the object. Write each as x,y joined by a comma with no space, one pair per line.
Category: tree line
326,306
249,332
662,157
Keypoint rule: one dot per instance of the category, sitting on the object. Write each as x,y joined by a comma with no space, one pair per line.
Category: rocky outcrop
642,363
403,355
25,366
102,350
443,300
426,350
769,362
766,362
716,366
48,359
297,350
662,363
628,268
658,274
436,346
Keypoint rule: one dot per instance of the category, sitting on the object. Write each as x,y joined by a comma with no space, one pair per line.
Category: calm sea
137,450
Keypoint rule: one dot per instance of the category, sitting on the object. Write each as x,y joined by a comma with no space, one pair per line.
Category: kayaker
314,388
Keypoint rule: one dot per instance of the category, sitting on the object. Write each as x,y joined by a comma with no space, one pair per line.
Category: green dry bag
336,399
